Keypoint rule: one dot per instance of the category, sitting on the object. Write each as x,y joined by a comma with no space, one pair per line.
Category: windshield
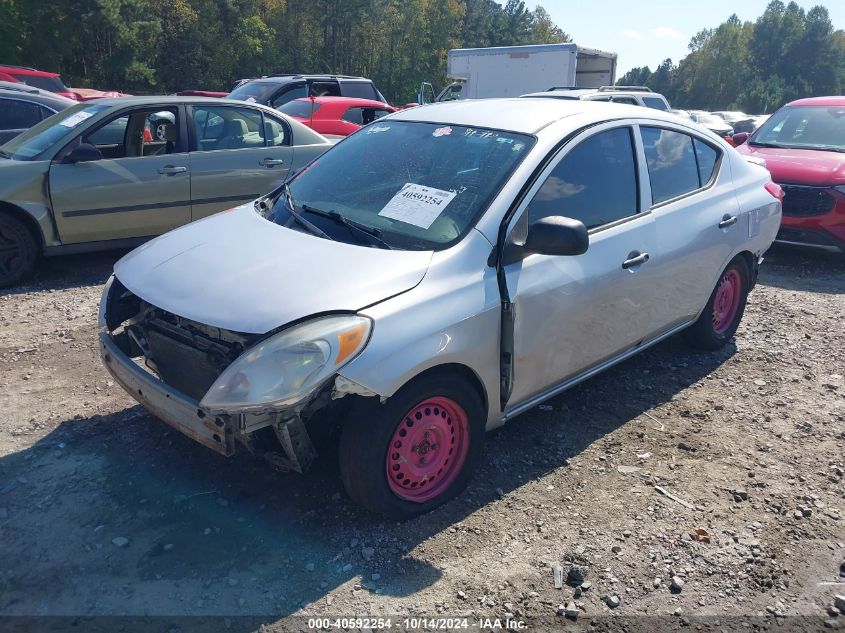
259,91
52,84
804,127
420,186
32,143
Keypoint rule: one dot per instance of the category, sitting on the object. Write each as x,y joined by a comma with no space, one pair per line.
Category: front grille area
186,355
800,200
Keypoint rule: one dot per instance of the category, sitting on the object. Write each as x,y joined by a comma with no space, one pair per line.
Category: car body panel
194,273
328,113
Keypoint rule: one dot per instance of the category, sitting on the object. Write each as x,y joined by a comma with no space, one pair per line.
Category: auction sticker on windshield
417,205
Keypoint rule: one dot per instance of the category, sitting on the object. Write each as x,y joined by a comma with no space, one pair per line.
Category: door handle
169,170
635,258
727,220
271,162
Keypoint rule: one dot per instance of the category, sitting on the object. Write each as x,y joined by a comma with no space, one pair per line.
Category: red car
803,145
335,116
37,79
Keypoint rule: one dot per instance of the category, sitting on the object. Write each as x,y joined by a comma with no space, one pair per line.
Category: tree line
785,54
147,46
155,46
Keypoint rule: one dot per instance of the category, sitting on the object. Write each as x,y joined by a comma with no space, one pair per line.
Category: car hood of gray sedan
237,271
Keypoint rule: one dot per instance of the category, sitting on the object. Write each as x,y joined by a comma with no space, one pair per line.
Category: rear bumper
164,402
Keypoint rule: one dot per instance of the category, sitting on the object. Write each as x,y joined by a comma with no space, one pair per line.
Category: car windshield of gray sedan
32,143
394,184
804,127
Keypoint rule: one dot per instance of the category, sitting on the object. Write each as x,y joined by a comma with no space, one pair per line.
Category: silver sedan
433,276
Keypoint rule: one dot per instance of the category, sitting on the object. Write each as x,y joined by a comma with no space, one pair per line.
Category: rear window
53,84
300,109
656,103
358,89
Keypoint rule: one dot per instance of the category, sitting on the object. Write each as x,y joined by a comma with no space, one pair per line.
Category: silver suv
630,95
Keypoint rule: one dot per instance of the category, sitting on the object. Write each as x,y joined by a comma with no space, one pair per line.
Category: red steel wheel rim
427,450
726,301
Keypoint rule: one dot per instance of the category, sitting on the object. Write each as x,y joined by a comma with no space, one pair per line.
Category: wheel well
462,371
28,221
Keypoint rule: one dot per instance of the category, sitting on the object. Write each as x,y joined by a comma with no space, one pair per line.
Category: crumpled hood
800,166
237,271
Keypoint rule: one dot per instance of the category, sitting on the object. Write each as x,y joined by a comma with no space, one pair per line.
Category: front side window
804,127
136,134
420,186
18,115
677,165
290,94
219,128
354,115
300,108
595,182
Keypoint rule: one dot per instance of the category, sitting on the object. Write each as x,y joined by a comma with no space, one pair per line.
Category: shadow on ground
230,537
68,271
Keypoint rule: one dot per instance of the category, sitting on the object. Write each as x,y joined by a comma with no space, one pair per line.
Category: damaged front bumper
164,402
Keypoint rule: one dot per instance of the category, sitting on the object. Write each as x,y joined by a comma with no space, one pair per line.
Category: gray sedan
433,276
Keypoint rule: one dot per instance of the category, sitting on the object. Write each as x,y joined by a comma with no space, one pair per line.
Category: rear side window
18,115
677,164
596,182
358,89
656,103
354,115
707,158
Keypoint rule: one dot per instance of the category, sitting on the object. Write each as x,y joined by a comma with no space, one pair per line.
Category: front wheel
417,450
721,316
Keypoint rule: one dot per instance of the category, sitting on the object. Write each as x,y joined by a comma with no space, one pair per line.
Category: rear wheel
18,250
721,316
417,450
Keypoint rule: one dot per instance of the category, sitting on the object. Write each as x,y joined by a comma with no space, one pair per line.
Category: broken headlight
283,369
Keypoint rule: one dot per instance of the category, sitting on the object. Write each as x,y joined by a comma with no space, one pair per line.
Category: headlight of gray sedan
283,369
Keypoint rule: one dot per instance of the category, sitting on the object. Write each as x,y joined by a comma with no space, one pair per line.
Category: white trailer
509,71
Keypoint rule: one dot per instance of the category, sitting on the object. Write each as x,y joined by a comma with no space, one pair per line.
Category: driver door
139,187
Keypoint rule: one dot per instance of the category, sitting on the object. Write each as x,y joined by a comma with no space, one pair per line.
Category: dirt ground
105,511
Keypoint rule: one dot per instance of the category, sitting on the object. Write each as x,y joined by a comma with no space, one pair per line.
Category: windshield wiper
774,145
373,235
314,229
5,154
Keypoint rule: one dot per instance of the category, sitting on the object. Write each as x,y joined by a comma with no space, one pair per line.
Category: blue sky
646,33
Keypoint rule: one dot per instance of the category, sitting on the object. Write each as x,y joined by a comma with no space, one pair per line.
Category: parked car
629,95
803,145
739,121
98,175
20,110
715,124
36,79
203,93
277,90
335,116
364,293
684,114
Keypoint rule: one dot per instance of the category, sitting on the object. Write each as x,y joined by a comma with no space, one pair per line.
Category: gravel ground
678,484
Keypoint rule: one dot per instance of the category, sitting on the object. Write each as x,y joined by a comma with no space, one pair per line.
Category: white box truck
510,71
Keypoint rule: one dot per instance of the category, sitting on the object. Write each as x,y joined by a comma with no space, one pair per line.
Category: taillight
774,189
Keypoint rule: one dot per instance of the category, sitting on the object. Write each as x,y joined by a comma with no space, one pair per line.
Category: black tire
704,334
369,430
18,251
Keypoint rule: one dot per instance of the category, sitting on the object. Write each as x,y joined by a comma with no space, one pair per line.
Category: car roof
562,93
819,101
52,100
167,100
286,78
25,70
525,116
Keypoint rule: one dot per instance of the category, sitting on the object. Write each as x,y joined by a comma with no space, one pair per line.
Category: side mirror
83,153
552,235
740,137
